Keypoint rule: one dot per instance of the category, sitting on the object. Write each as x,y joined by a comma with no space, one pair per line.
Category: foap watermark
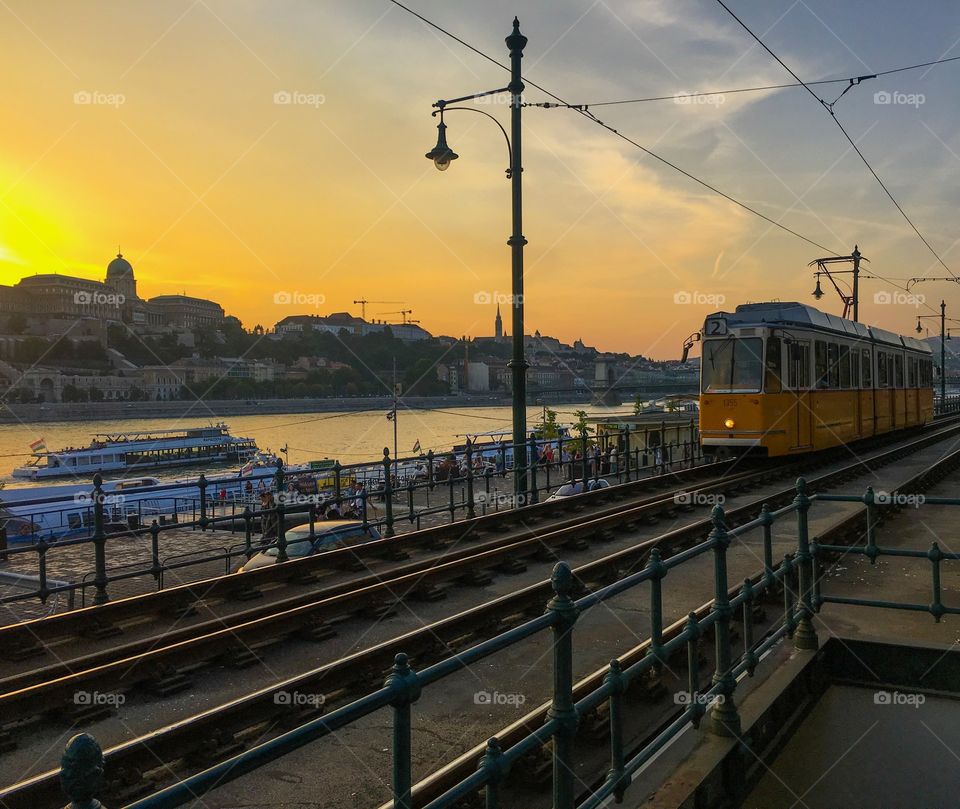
501,499
711,298
686,698
898,698
95,498
114,299
896,97
499,698
504,97
698,499
297,98
299,699
284,297
484,298
111,699
95,98
700,99
899,298
898,499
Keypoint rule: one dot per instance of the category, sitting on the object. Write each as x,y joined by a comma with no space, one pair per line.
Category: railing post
43,590
562,708
202,486
870,499
616,777
387,495
337,485
471,506
583,461
81,772
626,454
657,572
405,683
492,762
805,636
935,555
693,666
724,719
248,531
99,543
280,509
155,567
532,465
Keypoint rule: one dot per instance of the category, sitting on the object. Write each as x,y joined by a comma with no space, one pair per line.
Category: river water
350,437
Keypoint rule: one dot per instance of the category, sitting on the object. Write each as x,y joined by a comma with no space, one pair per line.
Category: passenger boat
139,451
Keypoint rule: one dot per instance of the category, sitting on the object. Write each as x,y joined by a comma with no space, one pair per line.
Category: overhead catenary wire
829,109
590,117
849,80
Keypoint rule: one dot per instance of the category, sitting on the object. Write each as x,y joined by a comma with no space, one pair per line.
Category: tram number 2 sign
715,326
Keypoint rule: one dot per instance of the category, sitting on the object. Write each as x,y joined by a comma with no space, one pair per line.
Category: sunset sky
212,188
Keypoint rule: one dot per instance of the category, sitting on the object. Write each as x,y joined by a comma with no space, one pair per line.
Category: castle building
46,297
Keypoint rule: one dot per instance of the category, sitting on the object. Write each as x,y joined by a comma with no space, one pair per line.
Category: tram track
215,734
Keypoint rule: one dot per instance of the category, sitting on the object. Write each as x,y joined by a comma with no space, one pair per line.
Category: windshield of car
732,365
568,490
325,540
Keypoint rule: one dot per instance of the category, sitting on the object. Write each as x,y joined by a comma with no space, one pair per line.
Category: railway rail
215,734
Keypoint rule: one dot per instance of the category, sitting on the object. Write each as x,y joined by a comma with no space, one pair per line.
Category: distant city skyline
293,162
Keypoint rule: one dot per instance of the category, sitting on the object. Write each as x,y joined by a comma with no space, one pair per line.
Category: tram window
891,379
844,367
855,367
867,376
771,379
911,372
799,366
833,363
898,366
732,365
821,363
881,369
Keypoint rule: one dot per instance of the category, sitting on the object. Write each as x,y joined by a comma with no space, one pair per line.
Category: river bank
214,409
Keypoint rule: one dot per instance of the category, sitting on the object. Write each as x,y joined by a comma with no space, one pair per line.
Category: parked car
575,488
328,536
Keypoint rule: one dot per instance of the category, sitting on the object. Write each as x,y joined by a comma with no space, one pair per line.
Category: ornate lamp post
442,156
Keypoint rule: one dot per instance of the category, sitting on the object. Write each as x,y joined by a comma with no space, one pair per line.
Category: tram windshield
732,365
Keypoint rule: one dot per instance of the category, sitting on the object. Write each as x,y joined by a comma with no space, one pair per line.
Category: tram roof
799,314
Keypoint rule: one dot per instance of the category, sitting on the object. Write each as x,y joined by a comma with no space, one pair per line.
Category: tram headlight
729,424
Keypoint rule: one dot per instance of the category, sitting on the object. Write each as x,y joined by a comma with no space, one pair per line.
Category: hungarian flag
416,447
38,445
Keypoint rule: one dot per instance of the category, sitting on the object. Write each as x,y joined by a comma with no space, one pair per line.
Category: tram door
799,378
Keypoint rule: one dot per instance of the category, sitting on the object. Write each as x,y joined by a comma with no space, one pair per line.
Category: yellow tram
786,379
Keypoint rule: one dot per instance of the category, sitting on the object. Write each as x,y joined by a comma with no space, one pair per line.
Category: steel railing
796,577
468,480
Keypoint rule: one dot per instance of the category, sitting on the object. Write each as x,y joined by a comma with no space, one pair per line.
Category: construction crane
363,305
402,312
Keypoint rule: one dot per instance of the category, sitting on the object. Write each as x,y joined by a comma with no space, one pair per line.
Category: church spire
498,324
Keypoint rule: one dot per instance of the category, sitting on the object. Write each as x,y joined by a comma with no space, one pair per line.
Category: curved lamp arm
445,108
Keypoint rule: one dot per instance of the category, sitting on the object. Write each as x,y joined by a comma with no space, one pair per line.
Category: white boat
138,452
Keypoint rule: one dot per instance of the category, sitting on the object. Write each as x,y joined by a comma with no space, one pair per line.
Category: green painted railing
796,576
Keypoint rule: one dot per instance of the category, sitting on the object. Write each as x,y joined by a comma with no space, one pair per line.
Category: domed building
120,277
47,298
